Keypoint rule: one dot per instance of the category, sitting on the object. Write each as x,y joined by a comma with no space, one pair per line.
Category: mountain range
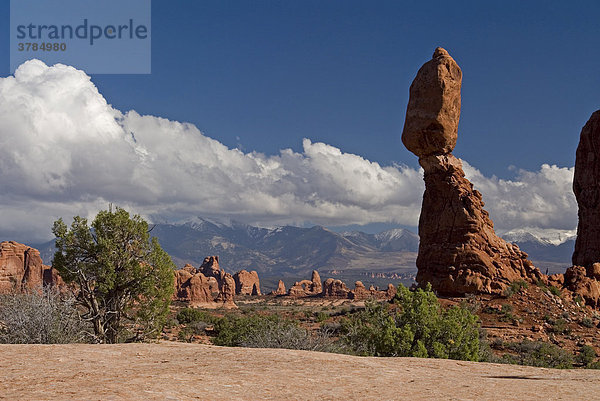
290,251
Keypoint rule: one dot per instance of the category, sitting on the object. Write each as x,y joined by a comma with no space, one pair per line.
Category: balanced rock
586,185
22,270
433,110
459,251
246,283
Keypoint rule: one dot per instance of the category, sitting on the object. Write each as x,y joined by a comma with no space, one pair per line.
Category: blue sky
263,75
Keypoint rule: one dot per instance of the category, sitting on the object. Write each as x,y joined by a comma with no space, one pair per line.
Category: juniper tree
124,279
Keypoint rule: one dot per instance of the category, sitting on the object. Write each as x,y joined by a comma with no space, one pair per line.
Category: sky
291,113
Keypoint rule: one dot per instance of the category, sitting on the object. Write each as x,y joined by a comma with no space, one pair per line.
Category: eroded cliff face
459,251
22,270
586,186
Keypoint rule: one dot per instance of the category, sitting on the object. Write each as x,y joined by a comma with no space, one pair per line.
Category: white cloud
541,199
65,151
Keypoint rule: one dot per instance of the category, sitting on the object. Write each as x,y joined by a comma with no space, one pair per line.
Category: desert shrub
417,327
515,287
270,332
587,322
554,290
191,315
587,356
44,317
540,354
558,326
321,316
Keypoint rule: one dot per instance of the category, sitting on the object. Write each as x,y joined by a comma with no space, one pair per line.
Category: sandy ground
177,371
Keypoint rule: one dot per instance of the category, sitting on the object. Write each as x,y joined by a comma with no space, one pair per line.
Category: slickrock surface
176,371
459,252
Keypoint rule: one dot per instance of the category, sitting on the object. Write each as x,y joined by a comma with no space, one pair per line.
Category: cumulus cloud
541,199
65,151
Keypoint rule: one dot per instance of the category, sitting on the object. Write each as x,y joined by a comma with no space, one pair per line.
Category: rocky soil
175,371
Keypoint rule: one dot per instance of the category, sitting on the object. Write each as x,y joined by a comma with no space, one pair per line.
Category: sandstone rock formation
246,283
586,185
360,292
584,282
206,286
335,288
317,287
280,289
459,251
21,269
307,287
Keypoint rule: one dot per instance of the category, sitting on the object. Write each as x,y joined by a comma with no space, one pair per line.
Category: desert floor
177,371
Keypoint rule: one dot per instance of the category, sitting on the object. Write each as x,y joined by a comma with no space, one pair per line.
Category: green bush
587,356
259,331
540,354
554,290
417,327
515,287
587,322
191,315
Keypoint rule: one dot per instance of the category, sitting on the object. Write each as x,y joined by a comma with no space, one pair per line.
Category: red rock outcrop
317,286
21,269
307,288
335,288
280,289
206,286
586,186
246,283
361,292
459,251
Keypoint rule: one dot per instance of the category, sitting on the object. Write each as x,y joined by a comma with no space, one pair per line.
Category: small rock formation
280,289
316,287
210,267
391,291
335,288
206,286
459,251
226,290
21,269
583,282
361,292
586,185
246,283
306,288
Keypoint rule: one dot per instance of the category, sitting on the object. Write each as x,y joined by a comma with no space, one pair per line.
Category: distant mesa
459,252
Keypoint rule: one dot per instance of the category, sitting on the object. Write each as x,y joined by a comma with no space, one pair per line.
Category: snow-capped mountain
541,236
545,247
